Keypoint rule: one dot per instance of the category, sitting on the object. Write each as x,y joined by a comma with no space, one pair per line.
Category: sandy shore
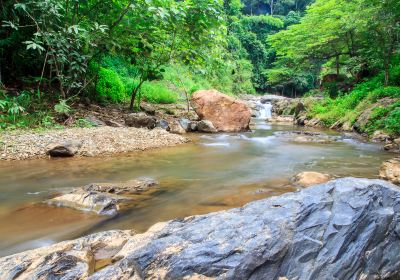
19,145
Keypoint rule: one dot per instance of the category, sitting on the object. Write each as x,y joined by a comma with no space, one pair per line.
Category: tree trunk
337,66
387,71
134,93
271,6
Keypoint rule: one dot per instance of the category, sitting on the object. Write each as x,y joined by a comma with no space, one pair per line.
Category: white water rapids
265,110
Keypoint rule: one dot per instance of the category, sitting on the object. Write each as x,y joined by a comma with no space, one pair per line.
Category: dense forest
54,52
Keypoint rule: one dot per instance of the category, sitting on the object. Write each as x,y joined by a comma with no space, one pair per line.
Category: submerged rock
282,119
307,179
344,229
307,137
103,199
390,170
226,113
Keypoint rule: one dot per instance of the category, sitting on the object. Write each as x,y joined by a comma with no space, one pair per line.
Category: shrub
392,122
156,92
109,86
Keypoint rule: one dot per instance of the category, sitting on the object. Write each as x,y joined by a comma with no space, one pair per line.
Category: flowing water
214,172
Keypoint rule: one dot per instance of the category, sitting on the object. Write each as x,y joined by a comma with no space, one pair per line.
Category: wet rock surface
103,199
226,113
307,137
344,229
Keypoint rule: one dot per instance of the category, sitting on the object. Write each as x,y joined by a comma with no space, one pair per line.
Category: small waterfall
265,110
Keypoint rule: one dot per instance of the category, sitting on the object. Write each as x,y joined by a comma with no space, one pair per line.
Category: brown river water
214,172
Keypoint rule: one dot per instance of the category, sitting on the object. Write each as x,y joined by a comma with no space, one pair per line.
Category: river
214,172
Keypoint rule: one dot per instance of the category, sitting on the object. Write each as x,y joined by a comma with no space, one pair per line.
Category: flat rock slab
307,137
344,229
103,199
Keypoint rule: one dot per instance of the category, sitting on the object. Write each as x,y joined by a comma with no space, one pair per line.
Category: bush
392,122
109,86
156,92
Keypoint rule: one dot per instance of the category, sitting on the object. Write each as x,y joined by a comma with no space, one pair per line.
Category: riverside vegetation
109,77
55,54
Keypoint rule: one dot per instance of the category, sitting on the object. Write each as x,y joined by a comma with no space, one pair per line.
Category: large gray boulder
344,229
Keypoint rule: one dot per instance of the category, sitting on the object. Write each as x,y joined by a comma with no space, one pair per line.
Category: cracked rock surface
344,229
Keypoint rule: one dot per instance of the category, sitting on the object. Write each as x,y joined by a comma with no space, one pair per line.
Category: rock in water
226,113
103,199
63,149
344,229
307,179
390,170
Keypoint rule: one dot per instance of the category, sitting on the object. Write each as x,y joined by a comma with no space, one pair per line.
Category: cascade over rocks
226,113
344,229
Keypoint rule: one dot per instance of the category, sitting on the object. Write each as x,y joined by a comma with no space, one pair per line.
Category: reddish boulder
226,113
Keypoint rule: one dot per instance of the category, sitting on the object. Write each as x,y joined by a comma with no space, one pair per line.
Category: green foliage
156,92
62,107
83,123
371,95
392,122
109,86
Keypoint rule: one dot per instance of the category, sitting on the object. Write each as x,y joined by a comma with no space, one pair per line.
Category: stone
76,259
307,137
380,136
226,113
105,198
391,147
177,128
113,123
148,109
206,126
344,229
390,170
282,119
94,121
163,124
314,123
307,179
185,124
127,188
97,202
301,120
193,126
63,149
140,120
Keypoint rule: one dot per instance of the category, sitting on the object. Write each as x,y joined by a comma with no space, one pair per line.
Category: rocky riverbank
343,229
94,141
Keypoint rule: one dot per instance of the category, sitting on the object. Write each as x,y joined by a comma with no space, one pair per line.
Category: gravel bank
19,145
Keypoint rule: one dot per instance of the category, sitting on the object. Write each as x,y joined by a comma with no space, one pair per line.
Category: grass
368,95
